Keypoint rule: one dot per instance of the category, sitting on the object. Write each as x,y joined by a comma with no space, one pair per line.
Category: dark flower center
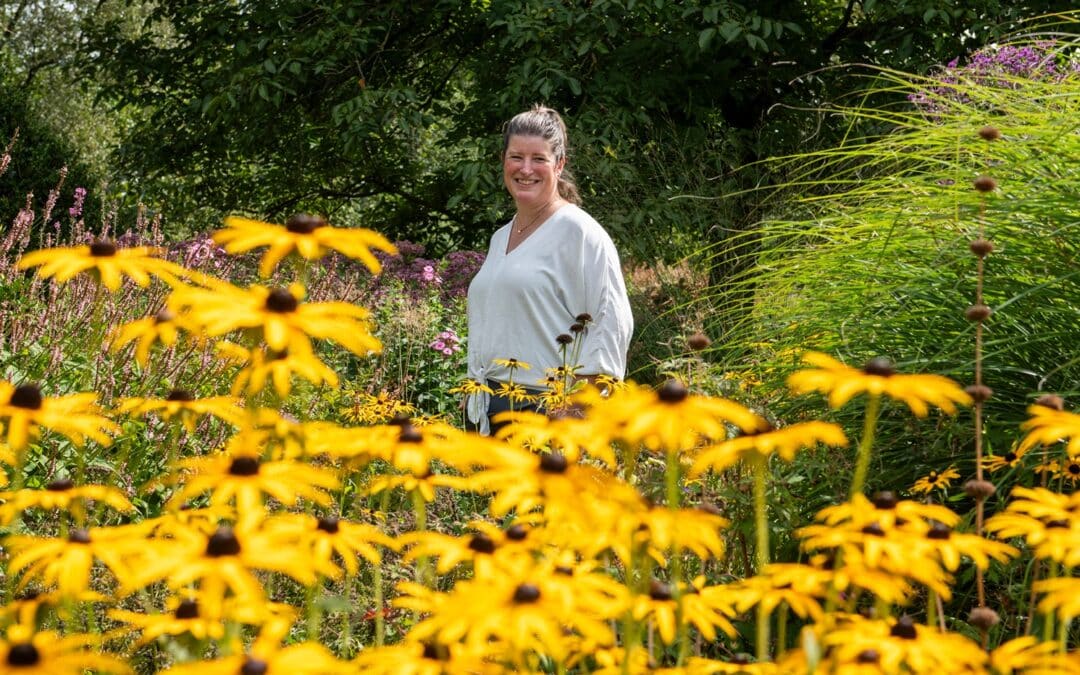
874,529
254,666
23,654
187,609
1063,524
904,628
181,395
672,391
885,500
577,328
244,466
102,248
1010,457
564,570
79,536
939,531
164,316
564,338
328,524
410,434
436,652
553,462
516,532
584,317
481,543
740,660
879,366
27,396
222,543
1074,468
281,301
868,656
658,590
60,485
526,594
303,223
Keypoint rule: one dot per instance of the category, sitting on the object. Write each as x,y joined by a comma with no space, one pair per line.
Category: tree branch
832,40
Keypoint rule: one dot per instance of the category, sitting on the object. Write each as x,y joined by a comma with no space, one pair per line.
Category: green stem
423,563
931,607
380,620
862,464
761,525
314,612
672,474
1048,618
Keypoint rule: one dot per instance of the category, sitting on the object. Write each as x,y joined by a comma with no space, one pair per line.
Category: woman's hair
547,124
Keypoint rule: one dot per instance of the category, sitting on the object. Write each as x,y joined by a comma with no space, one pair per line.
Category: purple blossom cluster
418,274
1001,67
77,206
446,343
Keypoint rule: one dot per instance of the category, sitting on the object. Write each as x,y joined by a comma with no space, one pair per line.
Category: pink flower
439,345
448,351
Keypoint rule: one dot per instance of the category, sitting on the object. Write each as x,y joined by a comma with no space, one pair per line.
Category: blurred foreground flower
106,262
842,382
310,237
76,416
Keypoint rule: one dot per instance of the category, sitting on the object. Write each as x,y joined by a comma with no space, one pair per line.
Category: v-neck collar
510,231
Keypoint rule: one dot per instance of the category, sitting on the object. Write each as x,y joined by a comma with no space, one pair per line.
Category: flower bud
979,489
985,184
977,313
979,392
981,247
698,341
983,618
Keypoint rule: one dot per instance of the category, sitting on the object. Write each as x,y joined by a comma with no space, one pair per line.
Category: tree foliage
387,112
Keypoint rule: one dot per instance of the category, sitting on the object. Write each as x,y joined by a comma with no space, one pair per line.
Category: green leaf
705,37
268,66
730,30
575,86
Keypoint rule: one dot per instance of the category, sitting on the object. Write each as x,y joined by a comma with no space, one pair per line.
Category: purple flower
77,207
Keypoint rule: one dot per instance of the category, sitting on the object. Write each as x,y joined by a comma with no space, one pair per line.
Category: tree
387,112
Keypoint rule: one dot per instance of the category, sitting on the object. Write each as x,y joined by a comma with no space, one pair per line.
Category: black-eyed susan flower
163,327
267,656
261,365
183,405
566,434
469,386
106,262
60,494
185,615
376,408
935,480
425,658
801,587
332,543
67,561
1046,521
704,611
310,237
1029,654
278,315
245,481
1060,596
1011,459
222,564
26,411
26,652
1048,426
784,442
670,419
900,645
841,383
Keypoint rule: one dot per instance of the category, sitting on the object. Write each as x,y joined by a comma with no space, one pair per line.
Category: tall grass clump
867,252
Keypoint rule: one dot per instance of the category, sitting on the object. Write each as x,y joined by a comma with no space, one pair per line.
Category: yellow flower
1028,654
566,434
842,382
105,262
260,365
278,314
184,405
25,652
309,236
247,479
785,442
75,416
899,646
163,327
512,364
268,656
994,463
376,408
60,494
1046,520
1061,596
670,419
470,386
188,616
935,481
330,542
425,658
67,562
1048,426
706,612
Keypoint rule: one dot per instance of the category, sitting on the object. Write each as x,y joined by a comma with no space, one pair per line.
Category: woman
545,269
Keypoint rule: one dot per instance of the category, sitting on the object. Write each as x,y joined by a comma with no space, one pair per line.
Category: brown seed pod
981,247
989,133
979,489
1051,401
698,341
977,313
983,618
979,392
985,184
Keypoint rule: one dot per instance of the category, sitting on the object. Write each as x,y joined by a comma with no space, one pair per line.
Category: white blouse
520,301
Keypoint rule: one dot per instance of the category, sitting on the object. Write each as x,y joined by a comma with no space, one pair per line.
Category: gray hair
547,124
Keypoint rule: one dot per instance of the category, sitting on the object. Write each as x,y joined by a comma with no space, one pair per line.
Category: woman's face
530,171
